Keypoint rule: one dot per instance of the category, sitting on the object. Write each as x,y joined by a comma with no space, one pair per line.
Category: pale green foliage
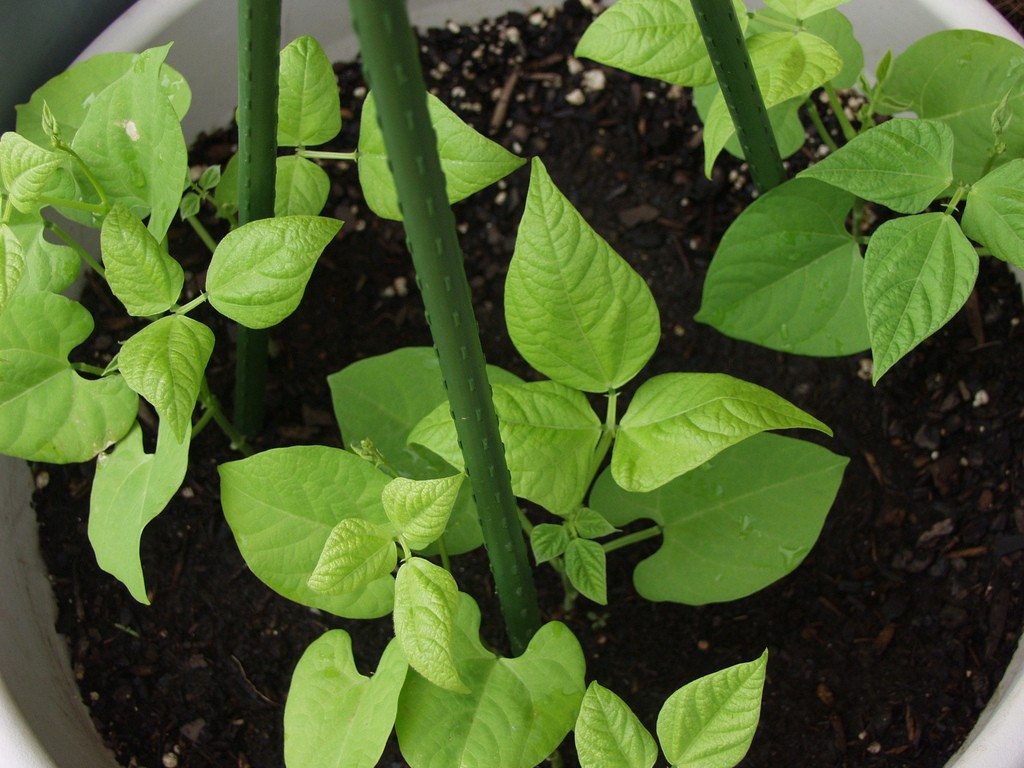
802,9
356,554
420,509
789,131
591,524
49,267
994,215
25,170
334,717
12,264
548,541
710,722
140,272
131,488
609,735
300,187
836,30
308,105
586,569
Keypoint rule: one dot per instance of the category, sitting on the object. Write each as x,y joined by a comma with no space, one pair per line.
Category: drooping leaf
308,105
549,431
132,142
677,421
548,541
25,170
609,735
165,362
140,272
790,134
802,9
283,504
586,569
918,271
419,509
426,601
740,522
710,722
902,164
47,411
516,712
48,266
259,271
12,264
334,717
960,77
131,488
994,215
356,554
301,187
575,309
788,276
469,160
653,38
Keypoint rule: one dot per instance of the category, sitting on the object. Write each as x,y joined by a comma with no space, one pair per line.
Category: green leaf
548,541
516,713
836,30
742,521
301,187
259,271
426,601
356,554
49,267
994,215
902,164
334,717
12,264
550,433
469,160
308,107
787,66
130,489
165,362
960,77
677,421
47,411
575,309
789,130
225,197
420,509
71,94
131,141
25,170
189,206
710,722
140,272
585,567
591,524
653,38
609,735
283,504
788,276
918,271
802,9
209,178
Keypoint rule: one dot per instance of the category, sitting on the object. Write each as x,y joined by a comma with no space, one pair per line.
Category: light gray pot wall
43,724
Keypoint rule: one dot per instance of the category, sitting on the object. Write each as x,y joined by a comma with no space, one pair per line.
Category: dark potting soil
884,644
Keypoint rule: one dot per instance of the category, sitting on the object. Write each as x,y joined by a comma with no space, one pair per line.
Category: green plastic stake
392,69
259,43
728,51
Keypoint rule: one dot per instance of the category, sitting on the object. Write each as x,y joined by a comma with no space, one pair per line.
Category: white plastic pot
43,723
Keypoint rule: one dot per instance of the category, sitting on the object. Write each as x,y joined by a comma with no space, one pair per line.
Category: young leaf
836,30
710,722
960,77
902,164
419,509
209,178
259,271
334,717
575,309
677,421
308,106
918,271
609,735
282,506
356,554
426,601
802,9
131,141
585,567
189,206
549,431
165,362
301,187
591,524
788,276
548,541
741,522
469,160
994,215
653,38
140,272
25,170
49,267
516,713
47,411
130,489
12,264
225,197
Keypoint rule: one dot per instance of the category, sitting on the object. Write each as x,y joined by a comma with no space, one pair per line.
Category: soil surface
884,644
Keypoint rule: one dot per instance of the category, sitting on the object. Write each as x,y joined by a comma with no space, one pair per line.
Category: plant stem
957,197
442,550
391,63
104,202
86,368
200,425
59,202
74,245
819,126
211,404
632,538
203,232
728,52
184,309
849,133
607,435
325,155
259,40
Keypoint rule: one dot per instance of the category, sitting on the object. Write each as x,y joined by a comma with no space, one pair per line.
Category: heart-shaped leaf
356,554
609,735
419,509
25,170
